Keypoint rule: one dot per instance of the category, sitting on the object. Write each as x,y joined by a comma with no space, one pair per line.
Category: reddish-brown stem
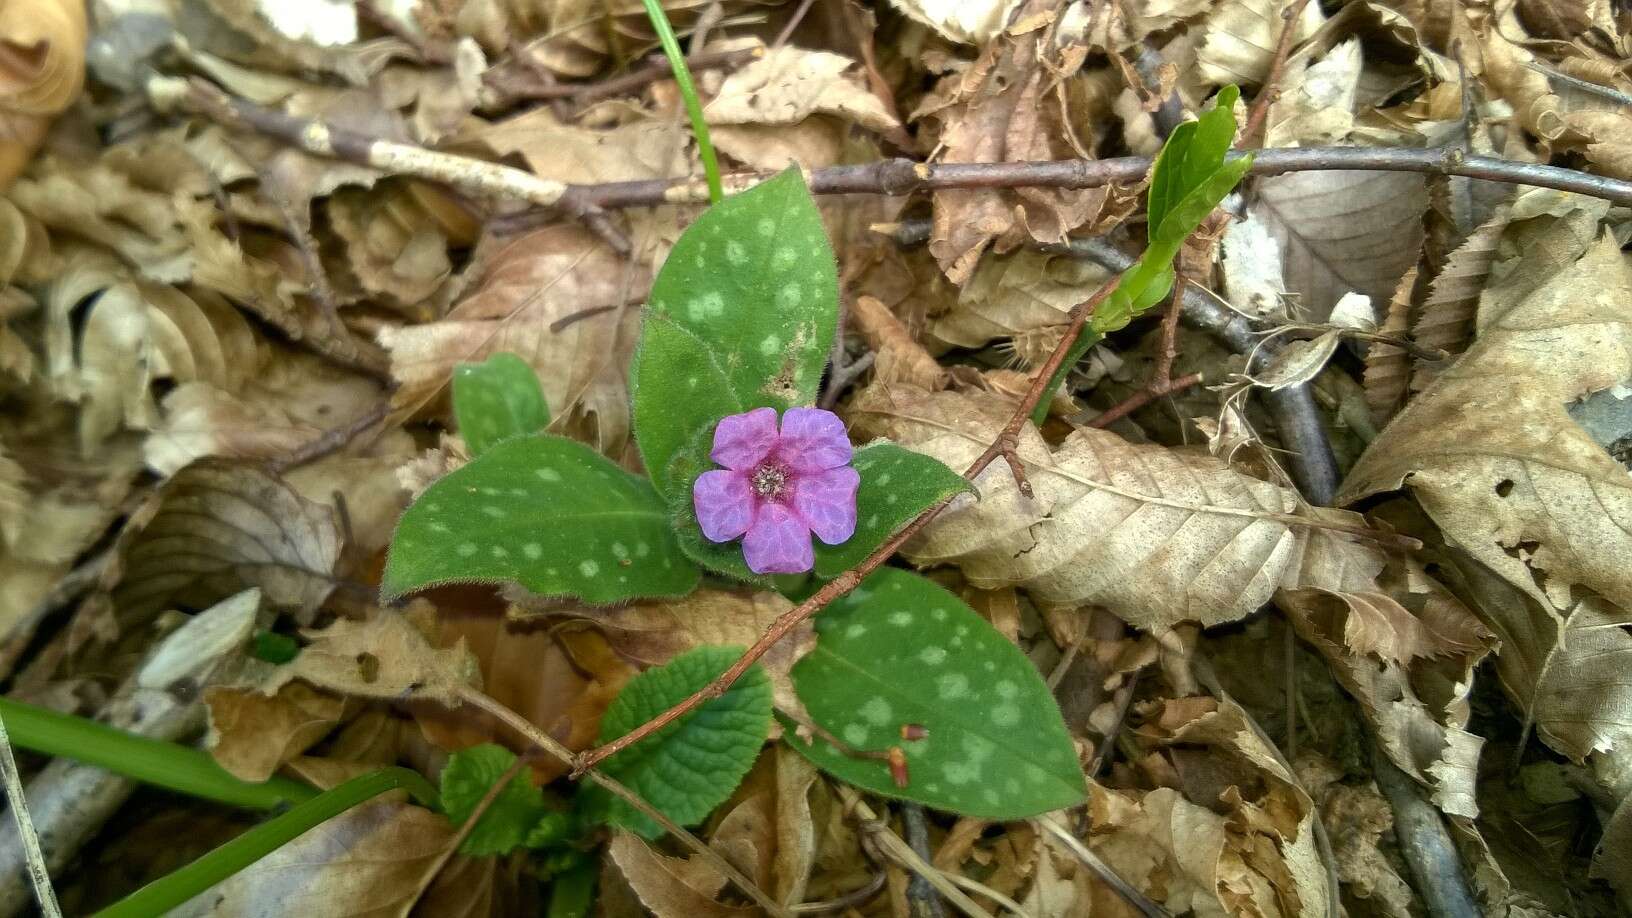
1144,397
1271,91
1161,378
849,580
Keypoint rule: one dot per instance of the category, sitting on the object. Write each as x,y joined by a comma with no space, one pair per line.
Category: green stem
573,892
688,92
174,889
168,765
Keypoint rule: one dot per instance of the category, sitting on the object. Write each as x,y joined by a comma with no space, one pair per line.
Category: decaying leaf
671,887
1526,493
976,22
1239,38
384,656
793,106
769,833
253,734
44,42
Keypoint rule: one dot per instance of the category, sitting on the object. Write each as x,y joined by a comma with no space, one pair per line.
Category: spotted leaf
497,399
900,651
896,485
547,513
690,766
750,293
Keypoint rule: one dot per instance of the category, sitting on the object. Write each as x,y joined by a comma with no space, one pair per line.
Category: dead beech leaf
1446,320
556,297
1298,362
1342,231
793,106
1239,38
252,734
44,42
1156,535
652,633
383,656
217,527
769,834
1388,366
898,357
1522,489
367,861
671,887
1016,295
974,22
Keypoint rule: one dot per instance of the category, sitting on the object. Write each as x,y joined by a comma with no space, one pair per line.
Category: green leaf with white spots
548,513
896,485
900,650
497,399
754,284
692,765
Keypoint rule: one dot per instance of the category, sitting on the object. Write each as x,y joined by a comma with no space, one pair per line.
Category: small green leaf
497,399
692,765
274,647
512,815
900,650
753,281
896,485
548,513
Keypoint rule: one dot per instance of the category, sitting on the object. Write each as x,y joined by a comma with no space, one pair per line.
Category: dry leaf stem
38,874
1161,381
552,746
1003,446
1101,869
893,847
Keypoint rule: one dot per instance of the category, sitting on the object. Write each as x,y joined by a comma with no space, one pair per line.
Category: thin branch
921,898
1102,870
552,746
793,23
38,874
1271,91
902,853
656,68
1004,445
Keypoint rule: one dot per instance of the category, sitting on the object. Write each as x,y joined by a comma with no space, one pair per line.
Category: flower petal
778,542
742,440
725,503
813,440
827,502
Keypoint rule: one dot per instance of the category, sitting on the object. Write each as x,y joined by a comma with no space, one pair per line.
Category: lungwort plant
909,692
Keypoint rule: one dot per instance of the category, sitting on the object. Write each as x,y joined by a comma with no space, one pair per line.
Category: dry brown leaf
1342,231
974,22
1356,818
898,358
44,52
1561,118
557,298
769,834
651,633
1020,295
397,237
1000,107
793,106
1526,492
367,861
383,656
1613,859
217,527
252,734
1239,38
1156,535
1388,366
671,887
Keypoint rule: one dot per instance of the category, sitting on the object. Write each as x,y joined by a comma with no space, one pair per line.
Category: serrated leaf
896,485
899,650
548,513
692,765
753,283
509,819
497,399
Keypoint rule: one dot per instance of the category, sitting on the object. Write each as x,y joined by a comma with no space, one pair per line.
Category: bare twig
922,901
793,23
552,746
333,439
855,898
1270,90
38,873
1101,869
1425,843
981,889
899,851
1004,445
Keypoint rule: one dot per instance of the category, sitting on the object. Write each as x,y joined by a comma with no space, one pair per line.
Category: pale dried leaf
383,656
974,22
1342,231
556,297
769,835
1158,536
1239,38
671,887
252,734
1298,361
898,358
1388,366
793,106
1447,317
1253,274
44,71
1014,295
1526,492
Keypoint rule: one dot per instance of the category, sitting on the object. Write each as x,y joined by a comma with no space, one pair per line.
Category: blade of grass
174,889
167,765
688,92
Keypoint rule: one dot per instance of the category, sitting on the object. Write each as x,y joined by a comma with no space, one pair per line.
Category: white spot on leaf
876,711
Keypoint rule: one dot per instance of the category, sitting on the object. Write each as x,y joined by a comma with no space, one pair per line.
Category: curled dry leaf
671,887
217,527
1526,493
1239,38
367,861
1156,535
252,734
652,633
383,656
974,22
1388,366
44,52
793,106
898,357
768,833
1021,295
557,297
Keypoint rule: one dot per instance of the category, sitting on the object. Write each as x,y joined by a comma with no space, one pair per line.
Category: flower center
769,480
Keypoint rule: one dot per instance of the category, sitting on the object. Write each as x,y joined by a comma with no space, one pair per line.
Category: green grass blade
688,92
172,890
168,765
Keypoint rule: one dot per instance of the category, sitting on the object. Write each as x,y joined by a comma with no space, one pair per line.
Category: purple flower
779,487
